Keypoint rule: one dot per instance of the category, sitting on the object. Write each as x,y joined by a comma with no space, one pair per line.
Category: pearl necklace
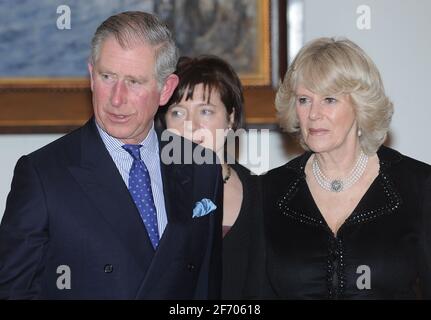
338,185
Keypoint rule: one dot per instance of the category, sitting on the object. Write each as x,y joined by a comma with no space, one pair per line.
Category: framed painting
44,84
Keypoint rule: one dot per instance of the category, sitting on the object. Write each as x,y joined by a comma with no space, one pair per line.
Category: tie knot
133,150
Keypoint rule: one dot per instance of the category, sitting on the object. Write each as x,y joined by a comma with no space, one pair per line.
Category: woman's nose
191,124
314,111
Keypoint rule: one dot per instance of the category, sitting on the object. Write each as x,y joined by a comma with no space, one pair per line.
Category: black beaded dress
382,251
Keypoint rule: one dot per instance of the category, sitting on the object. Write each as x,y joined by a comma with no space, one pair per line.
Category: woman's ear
231,119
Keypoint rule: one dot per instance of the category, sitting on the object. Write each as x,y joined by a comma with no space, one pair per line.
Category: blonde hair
328,66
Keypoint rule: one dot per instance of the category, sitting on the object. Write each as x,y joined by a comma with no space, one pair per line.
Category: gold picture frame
58,105
262,73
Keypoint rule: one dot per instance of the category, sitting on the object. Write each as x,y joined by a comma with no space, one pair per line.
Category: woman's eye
330,100
207,112
176,113
303,100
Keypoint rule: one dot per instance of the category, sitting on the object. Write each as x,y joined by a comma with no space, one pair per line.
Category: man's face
125,92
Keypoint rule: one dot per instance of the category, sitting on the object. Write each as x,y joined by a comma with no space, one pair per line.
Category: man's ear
168,89
90,71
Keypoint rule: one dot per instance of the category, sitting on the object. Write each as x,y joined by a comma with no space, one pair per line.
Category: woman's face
328,123
202,121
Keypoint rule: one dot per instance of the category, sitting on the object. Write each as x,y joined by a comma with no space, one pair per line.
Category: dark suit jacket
68,205
386,239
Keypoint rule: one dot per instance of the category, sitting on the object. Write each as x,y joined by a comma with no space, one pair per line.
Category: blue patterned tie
140,189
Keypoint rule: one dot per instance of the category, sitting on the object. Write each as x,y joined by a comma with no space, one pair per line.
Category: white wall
12,148
398,42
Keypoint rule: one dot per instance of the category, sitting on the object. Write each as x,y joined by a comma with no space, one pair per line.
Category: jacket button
191,267
108,268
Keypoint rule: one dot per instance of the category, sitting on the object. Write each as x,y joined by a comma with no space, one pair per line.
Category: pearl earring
359,132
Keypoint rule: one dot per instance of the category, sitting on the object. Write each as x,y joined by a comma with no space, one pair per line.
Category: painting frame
58,105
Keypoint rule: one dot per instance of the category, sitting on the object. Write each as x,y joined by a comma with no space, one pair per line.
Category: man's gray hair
134,27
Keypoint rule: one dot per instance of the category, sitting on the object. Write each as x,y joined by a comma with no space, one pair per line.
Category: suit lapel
178,193
99,178
177,182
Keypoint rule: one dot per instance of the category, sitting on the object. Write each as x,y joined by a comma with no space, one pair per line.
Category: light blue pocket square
203,207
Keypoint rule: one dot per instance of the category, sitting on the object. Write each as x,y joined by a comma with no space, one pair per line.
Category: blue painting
33,45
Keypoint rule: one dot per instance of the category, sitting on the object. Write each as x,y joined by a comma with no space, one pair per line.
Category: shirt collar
150,143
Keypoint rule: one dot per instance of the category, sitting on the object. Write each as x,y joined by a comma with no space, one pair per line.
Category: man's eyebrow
139,78
104,70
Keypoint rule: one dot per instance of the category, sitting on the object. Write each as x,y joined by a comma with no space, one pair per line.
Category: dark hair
214,73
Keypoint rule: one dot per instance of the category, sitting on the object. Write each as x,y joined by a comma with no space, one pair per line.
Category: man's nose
119,94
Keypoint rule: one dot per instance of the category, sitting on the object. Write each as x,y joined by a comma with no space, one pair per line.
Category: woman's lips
318,131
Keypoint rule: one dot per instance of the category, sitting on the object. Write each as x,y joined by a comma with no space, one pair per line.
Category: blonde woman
350,218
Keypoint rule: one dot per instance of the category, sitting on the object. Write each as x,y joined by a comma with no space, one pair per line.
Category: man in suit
97,214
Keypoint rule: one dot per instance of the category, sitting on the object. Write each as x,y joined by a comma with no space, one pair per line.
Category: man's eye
134,82
106,76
